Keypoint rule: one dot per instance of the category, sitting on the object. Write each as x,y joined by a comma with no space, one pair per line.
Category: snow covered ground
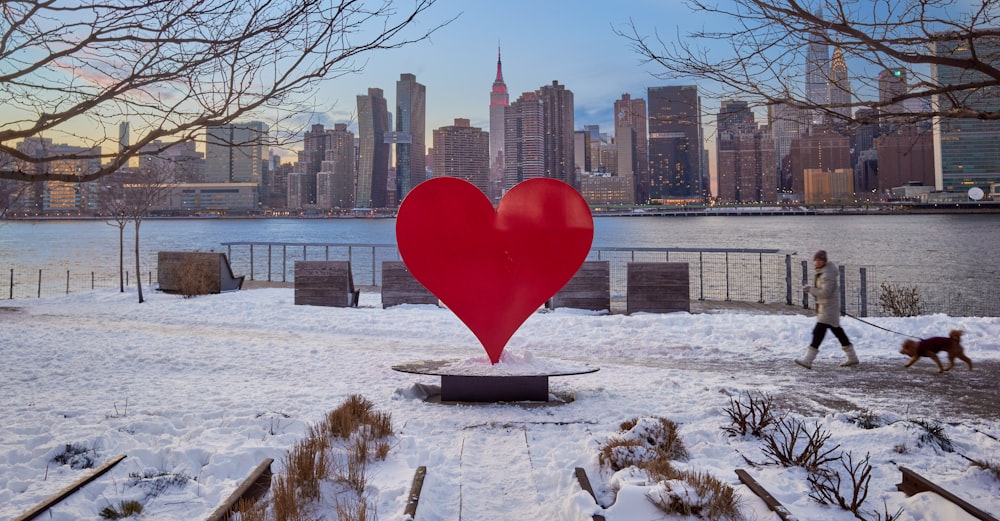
206,388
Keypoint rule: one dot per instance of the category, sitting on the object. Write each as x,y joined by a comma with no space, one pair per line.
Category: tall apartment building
499,101
410,135
745,153
58,196
965,148
235,153
633,143
524,140
463,151
675,144
338,170
373,152
557,106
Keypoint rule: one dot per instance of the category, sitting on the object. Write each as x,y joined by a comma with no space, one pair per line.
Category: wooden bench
325,283
658,287
399,286
590,288
195,273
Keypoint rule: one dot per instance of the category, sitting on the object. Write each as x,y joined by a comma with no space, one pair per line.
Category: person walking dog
826,292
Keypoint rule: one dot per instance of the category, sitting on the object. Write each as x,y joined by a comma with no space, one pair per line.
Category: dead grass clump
991,466
697,494
641,442
339,448
195,277
126,508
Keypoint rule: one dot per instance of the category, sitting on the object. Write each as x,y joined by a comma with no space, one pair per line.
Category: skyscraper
840,85
675,144
891,85
633,143
966,150
411,123
499,101
746,164
338,171
557,106
817,67
463,151
373,152
524,140
235,153
786,123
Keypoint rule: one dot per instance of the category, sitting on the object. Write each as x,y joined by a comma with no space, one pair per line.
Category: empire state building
499,100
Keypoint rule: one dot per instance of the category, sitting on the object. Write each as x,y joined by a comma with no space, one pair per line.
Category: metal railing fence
739,275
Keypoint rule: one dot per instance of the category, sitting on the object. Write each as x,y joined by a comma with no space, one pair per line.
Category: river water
954,250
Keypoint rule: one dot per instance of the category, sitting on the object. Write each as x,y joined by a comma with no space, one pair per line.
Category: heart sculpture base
463,383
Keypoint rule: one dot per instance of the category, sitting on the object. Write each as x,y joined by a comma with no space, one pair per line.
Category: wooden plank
253,488
400,287
68,491
324,283
914,483
584,481
658,287
590,288
415,488
762,493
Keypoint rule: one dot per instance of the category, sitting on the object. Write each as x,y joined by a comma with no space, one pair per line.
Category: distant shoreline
985,207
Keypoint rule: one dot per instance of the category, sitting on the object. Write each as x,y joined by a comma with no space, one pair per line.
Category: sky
196,392
540,42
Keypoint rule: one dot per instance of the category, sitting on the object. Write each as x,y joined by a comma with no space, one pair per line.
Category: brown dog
930,347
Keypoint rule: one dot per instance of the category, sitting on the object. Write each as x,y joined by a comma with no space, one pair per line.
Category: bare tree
143,192
173,67
759,56
112,202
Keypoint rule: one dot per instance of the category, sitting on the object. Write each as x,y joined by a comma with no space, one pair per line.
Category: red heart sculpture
493,269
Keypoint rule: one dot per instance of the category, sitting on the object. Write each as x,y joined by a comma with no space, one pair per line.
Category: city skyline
458,64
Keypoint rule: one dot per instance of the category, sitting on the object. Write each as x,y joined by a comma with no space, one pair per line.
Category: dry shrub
752,414
126,508
792,444
848,490
900,301
697,494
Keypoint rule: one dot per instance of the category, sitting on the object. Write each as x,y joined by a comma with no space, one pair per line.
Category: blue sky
571,42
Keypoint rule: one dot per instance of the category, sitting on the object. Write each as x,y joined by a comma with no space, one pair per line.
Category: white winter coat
826,291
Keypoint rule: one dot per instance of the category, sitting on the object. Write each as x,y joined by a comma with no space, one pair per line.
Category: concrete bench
195,273
325,283
590,288
399,286
658,287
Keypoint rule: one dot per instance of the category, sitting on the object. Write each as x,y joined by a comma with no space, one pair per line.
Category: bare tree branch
172,68
760,55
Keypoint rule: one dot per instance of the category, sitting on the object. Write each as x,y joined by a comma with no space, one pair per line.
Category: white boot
852,357
807,361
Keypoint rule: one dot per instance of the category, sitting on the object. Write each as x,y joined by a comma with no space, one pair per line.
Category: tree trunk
121,256
138,274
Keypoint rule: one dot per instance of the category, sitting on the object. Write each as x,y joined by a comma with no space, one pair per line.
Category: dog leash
882,328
